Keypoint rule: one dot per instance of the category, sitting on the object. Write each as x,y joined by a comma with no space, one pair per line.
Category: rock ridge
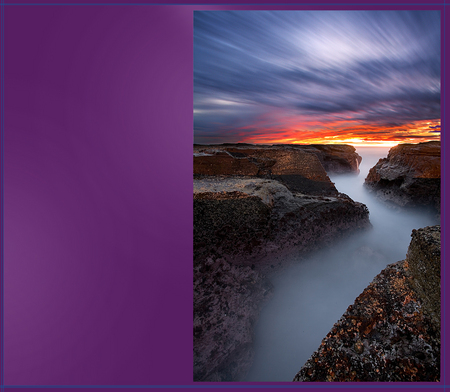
392,331
410,176
276,160
252,202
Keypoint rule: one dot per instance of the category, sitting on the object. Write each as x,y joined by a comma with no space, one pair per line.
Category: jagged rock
249,219
240,221
335,158
338,158
300,171
423,262
222,163
392,331
227,301
409,176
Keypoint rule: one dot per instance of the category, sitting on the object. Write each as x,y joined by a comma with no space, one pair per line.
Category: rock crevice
250,203
392,331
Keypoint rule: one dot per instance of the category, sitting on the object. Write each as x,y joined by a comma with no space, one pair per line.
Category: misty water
311,295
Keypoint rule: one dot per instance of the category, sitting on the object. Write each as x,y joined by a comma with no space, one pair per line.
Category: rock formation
250,203
409,176
336,158
227,299
251,218
392,331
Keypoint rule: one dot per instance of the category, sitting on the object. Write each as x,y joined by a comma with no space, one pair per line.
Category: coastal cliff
258,159
392,331
251,203
410,176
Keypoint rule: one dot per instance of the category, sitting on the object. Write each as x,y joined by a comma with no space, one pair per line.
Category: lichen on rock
392,331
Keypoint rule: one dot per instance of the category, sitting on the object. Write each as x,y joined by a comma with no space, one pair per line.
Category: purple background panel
98,195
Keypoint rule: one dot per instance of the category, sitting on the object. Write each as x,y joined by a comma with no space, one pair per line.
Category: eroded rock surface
251,202
299,170
392,331
248,219
423,262
335,158
409,176
227,302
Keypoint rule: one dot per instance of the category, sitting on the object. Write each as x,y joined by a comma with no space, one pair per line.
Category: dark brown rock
223,163
299,167
409,176
240,221
423,262
391,332
242,231
335,158
227,300
228,223
249,219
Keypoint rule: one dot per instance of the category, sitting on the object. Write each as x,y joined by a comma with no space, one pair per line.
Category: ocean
313,293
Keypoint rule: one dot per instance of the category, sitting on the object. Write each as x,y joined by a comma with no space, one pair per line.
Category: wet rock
275,159
423,263
241,220
410,175
223,163
392,331
249,219
227,300
336,158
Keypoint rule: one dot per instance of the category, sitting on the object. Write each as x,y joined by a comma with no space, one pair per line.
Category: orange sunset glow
362,136
362,78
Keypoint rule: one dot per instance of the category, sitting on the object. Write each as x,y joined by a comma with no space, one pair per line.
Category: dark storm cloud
381,67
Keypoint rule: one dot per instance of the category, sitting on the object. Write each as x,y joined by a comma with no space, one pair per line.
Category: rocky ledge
410,175
252,159
250,204
246,220
335,158
392,331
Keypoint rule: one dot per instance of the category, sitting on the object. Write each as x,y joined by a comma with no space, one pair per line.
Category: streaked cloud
302,75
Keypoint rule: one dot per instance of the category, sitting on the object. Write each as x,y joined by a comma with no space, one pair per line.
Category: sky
366,78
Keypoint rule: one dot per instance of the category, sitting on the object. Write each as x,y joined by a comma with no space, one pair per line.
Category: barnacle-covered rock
250,203
392,331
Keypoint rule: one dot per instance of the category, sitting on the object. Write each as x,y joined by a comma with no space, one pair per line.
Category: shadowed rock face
423,262
299,171
336,158
227,301
248,219
241,220
392,331
409,176
300,168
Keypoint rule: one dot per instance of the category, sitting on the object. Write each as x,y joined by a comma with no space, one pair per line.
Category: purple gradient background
98,195
98,229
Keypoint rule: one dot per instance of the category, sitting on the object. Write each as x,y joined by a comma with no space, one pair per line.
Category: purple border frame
171,24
